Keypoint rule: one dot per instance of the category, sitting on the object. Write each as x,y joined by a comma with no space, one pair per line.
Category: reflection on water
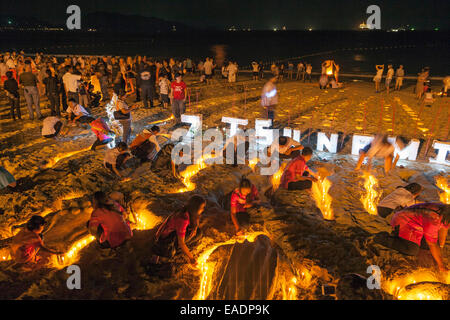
220,54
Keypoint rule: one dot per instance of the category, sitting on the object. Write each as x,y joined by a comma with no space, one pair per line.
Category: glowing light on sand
146,220
52,162
372,196
441,182
323,199
292,291
4,255
191,171
396,287
207,268
163,120
72,255
276,178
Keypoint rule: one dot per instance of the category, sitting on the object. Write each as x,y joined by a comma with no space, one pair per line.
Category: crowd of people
78,85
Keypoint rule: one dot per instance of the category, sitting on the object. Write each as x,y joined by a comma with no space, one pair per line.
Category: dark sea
354,51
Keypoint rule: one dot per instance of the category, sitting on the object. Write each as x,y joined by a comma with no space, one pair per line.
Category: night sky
255,14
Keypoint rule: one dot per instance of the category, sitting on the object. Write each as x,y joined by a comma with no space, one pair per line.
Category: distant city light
309,29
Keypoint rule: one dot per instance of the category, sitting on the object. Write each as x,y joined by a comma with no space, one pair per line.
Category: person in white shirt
116,158
232,71
380,147
78,113
51,127
71,82
400,198
269,97
208,66
378,76
389,76
400,73
286,148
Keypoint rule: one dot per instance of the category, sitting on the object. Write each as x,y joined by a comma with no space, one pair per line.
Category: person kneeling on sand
297,175
242,198
380,147
179,229
287,148
28,248
107,222
398,199
51,127
101,130
421,226
116,158
77,113
145,146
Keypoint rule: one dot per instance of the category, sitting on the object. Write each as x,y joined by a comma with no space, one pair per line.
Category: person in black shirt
52,90
12,91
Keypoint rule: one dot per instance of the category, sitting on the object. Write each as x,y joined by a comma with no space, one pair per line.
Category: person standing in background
28,82
178,97
389,76
269,98
51,86
12,92
400,73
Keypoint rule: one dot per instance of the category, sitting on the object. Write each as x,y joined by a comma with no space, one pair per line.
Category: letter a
74,20
374,21
74,281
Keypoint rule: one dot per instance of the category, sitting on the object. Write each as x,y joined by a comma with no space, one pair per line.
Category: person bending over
107,222
297,175
116,158
400,198
242,198
51,127
145,146
380,147
178,230
287,148
421,226
77,113
101,131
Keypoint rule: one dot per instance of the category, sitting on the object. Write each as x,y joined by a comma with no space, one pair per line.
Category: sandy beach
303,246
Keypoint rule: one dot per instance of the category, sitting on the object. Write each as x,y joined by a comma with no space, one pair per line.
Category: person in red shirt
297,175
178,95
101,130
246,196
28,248
107,222
420,226
179,229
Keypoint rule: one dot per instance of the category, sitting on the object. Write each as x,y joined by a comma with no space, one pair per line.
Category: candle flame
191,171
276,178
372,196
52,162
323,200
441,182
